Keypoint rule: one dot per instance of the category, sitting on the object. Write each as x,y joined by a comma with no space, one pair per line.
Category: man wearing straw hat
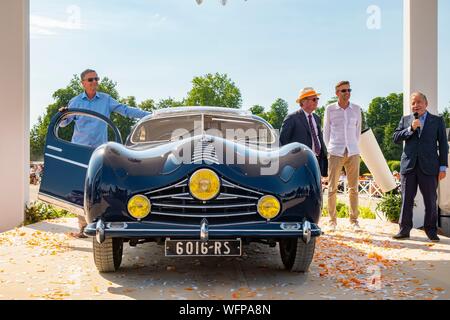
304,126
342,131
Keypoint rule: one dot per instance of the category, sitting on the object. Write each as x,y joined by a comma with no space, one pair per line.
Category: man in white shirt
342,131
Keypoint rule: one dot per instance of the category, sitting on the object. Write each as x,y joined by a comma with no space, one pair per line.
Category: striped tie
317,148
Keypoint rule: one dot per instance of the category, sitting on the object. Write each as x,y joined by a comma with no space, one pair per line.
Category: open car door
66,163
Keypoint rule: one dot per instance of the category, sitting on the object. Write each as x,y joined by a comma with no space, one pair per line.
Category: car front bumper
143,230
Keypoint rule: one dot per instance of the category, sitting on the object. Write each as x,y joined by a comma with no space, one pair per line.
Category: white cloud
36,31
46,26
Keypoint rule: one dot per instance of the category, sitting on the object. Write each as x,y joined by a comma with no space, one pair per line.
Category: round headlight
269,207
204,184
139,207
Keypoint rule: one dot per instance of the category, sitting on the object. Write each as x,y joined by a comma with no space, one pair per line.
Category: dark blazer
296,128
429,151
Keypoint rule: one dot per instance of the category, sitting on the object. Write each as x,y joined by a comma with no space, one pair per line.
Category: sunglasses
314,99
92,79
346,90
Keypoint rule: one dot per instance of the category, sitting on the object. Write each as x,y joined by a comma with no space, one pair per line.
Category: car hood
147,167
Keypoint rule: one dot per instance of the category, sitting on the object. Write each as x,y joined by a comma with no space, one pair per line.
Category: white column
420,65
421,51
14,110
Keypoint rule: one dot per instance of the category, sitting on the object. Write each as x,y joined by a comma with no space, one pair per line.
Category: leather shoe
78,235
400,236
434,238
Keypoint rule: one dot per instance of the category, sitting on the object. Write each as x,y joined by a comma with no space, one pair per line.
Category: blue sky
269,48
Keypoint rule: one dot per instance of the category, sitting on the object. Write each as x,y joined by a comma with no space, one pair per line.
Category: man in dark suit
424,163
304,126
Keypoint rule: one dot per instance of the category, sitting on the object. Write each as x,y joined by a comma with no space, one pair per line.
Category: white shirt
342,129
315,128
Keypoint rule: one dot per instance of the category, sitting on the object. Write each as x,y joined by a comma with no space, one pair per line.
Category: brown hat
306,93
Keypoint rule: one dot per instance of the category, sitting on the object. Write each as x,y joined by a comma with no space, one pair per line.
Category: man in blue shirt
90,131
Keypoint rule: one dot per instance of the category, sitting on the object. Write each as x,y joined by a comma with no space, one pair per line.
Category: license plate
198,248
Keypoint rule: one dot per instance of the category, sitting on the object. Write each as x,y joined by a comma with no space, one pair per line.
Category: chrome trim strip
213,225
173,196
238,196
100,231
110,225
307,232
54,148
183,198
61,204
243,230
226,198
204,230
232,185
204,215
67,160
238,224
211,231
152,230
200,159
204,207
179,184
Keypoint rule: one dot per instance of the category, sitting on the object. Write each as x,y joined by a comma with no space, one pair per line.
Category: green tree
446,116
148,105
382,117
391,151
169,103
259,111
122,123
278,112
321,113
214,90
39,130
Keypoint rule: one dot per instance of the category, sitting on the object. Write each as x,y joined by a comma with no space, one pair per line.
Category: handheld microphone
416,116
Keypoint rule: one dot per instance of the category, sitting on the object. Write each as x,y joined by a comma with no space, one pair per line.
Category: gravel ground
42,261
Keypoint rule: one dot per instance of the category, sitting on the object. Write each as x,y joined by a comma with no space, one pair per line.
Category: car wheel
108,255
297,255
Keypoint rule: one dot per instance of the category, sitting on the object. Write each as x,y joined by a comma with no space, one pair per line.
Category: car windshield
235,128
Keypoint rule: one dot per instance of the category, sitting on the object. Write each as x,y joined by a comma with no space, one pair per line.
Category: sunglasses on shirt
346,90
92,79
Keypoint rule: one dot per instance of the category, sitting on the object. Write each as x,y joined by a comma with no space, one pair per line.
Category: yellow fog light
204,184
269,207
139,207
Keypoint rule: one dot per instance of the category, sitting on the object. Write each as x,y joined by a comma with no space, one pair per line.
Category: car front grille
235,204
205,151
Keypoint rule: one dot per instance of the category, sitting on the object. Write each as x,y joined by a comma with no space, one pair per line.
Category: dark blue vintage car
202,181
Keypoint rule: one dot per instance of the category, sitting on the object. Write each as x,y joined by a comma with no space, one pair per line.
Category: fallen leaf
236,295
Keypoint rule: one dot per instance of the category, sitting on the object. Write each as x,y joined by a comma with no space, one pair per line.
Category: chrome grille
234,204
204,151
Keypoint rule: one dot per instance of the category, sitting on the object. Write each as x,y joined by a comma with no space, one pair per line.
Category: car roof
196,109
